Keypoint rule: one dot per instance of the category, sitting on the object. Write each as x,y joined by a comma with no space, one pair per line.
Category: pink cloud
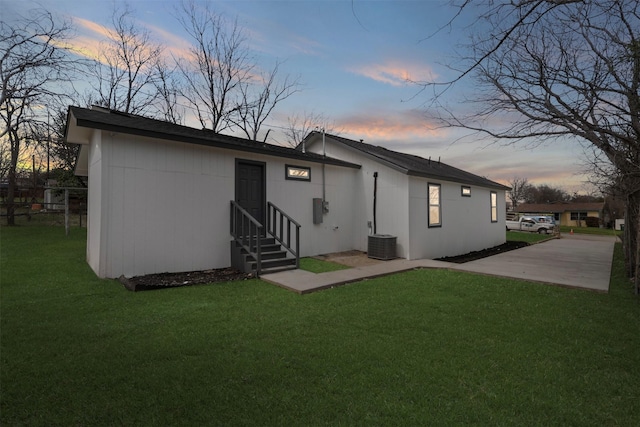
87,44
90,42
395,73
390,126
174,46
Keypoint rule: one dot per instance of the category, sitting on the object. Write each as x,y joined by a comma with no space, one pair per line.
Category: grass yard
320,266
428,347
590,230
526,236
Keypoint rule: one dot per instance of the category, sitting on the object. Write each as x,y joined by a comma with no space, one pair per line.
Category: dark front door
250,188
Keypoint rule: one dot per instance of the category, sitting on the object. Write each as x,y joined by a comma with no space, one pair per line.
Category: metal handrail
275,218
247,230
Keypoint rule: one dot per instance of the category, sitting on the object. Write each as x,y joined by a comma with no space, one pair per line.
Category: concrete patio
576,261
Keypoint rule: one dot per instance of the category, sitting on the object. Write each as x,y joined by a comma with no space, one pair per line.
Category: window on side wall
297,173
494,206
435,206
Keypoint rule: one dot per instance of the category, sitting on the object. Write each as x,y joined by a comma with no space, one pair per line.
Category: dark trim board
78,132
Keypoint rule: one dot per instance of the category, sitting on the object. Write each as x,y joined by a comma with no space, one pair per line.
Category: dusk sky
354,59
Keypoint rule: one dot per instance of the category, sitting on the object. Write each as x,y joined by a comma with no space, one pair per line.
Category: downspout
375,200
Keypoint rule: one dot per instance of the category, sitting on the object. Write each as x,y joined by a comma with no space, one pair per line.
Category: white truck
534,224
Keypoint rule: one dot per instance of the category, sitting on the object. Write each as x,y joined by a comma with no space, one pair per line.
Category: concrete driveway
577,261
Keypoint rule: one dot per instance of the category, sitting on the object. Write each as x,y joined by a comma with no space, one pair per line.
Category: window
465,191
578,216
435,208
494,206
298,173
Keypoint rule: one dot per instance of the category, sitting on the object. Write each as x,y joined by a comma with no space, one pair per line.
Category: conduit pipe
324,155
375,200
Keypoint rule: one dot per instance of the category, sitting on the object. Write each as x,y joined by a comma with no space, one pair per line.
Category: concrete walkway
578,261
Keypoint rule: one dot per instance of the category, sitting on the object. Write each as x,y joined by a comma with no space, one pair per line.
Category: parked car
534,224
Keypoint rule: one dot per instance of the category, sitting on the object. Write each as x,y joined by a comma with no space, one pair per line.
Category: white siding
164,211
94,206
466,221
392,198
335,233
161,206
403,205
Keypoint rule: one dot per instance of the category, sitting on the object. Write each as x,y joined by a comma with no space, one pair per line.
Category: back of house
162,197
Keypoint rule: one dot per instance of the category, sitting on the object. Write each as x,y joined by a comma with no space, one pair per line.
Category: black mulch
472,256
170,280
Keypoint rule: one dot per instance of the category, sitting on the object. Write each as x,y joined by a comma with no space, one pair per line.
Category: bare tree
562,70
128,68
300,125
34,71
259,98
169,91
218,67
518,191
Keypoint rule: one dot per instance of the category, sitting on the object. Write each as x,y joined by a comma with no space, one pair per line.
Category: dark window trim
465,187
286,172
429,185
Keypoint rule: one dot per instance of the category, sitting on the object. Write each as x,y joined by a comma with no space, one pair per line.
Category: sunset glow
359,65
395,73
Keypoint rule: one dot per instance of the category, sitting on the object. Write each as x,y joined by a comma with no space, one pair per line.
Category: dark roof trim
413,165
115,121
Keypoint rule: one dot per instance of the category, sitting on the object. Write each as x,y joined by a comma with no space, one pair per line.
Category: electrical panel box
317,210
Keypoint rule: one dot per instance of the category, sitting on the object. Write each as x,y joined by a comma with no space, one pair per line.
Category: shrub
592,221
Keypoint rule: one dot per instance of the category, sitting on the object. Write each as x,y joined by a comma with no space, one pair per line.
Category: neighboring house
164,197
565,213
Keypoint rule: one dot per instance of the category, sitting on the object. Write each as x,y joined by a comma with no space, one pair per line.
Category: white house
169,198
434,209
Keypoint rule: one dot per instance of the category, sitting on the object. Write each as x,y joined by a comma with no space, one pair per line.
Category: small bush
592,221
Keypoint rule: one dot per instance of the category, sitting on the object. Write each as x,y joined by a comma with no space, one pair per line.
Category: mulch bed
170,280
472,256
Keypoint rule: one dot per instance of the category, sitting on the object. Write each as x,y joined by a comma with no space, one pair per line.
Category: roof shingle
116,121
416,165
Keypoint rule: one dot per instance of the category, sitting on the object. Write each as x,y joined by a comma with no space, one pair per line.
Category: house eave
79,132
496,186
75,133
315,139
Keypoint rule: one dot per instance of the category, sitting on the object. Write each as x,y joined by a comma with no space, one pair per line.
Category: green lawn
320,266
525,236
428,347
590,230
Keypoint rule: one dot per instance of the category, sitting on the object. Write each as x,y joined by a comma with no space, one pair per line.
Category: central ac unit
382,246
